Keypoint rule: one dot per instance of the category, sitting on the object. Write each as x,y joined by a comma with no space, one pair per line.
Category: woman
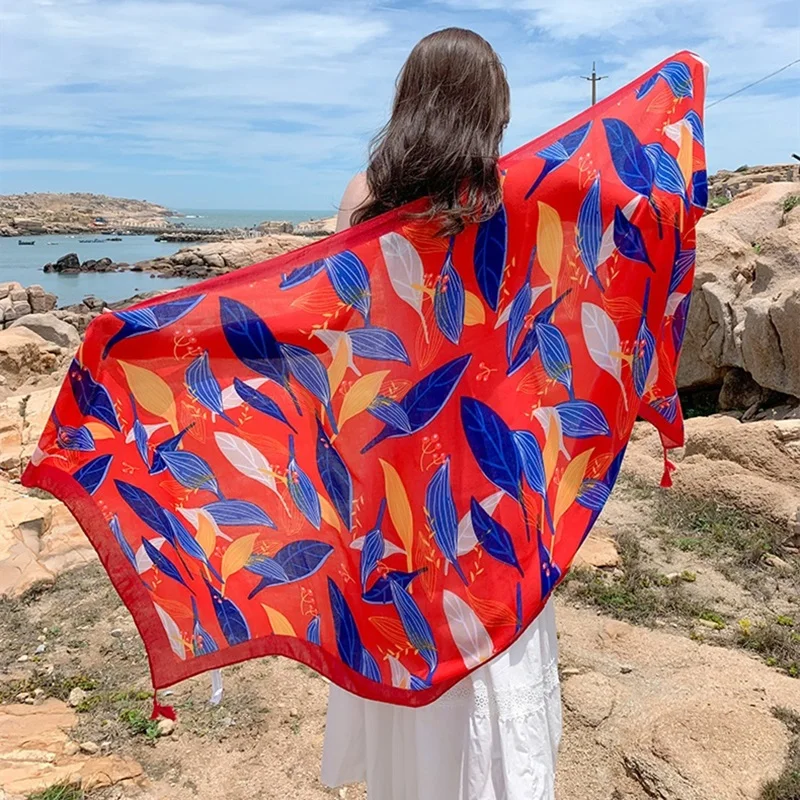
496,734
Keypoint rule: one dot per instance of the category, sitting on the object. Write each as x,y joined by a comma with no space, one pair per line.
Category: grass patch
59,791
776,642
787,786
792,201
52,685
718,201
139,724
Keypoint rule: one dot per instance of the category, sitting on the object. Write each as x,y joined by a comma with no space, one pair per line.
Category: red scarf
379,454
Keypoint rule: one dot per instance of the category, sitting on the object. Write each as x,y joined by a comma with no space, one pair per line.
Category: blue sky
269,104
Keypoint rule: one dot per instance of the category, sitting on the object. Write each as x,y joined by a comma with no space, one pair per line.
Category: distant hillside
25,214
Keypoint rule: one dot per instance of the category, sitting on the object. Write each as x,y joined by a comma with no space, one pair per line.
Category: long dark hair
442,141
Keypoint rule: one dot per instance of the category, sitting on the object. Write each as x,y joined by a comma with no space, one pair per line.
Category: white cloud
251,102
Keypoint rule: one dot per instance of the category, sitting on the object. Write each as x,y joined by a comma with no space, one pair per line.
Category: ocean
24,263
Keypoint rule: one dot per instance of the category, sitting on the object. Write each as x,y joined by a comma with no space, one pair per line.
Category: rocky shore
46,213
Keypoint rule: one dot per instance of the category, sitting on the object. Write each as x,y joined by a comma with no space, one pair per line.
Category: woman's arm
354,195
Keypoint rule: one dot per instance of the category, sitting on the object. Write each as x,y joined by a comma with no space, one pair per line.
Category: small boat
22,241
54,243
114,239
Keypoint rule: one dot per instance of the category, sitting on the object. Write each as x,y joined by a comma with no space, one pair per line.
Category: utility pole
595,79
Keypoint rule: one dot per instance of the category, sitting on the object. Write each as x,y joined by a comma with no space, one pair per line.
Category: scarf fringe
669,468
168,712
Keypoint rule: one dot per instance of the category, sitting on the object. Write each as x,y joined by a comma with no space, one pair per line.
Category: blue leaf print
423,401
302,274
630,161
181,538
381,591
140,438
390,413
127,550
675,74
581,419
493,537
555,355
313,632
681,265
666,406
643,349
372,551
520,306
530,456
92,398
136,321
163,564
678,77
146,508
308,371
202,641
93,473
378,344
238,512
350,281
168,445
492,444
418,684
550,572
295,561
666,172
700,189
254,345
71,438
489,256
519,608
260,402
449,300
530,343
302,490
589,231
203,386
440,509
559,153
335,477
679,319
369,666
302,558
348,642
191,471
696,124
629,240
593,494
230,618
270,571
416,627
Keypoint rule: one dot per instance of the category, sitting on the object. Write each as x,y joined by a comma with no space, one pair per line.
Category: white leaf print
230,397
405,271
173,632
602,341
143,562
467,541
673,301
506,312
652,374
547,416
607,245
249,461
471,638
401,677
333,340
389,549
192,515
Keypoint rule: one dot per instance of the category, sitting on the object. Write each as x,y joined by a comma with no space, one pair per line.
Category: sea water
23,263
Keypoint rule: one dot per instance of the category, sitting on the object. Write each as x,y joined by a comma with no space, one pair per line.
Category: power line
595,79
754,83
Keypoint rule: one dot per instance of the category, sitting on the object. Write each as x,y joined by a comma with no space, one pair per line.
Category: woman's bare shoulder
355,194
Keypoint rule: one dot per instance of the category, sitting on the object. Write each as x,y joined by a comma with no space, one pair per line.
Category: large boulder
40,300
50,328
745,310
24,353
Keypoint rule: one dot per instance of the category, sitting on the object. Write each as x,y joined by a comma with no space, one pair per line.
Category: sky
265,104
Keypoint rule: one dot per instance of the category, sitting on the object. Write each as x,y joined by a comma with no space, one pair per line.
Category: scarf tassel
167,712
669,468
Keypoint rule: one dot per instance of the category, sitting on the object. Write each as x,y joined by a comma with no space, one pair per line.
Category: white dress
494,736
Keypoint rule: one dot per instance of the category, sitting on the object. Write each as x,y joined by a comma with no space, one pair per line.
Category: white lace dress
494,736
